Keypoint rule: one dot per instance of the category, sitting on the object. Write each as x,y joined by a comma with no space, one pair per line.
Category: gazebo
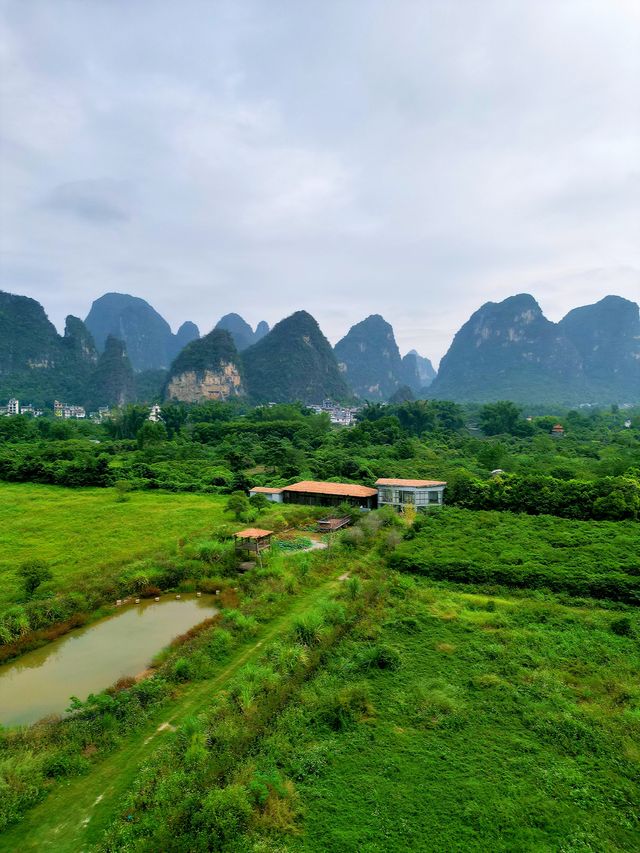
253,540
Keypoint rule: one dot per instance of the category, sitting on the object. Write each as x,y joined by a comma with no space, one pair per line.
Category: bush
353,537
309,628
226,813
622,627
182,670
381,657
346,707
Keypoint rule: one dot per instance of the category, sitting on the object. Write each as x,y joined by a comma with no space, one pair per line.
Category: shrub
226,813
353,588
622,627
182,670
343,708
122,489
353,537
309,628
33,573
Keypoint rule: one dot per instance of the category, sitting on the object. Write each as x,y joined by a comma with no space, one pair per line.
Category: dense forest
492,456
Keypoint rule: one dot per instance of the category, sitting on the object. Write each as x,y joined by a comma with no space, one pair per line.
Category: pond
89,659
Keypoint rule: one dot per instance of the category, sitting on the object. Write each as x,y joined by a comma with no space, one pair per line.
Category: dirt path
76,813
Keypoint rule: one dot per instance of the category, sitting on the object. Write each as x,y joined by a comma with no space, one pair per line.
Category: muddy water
89,659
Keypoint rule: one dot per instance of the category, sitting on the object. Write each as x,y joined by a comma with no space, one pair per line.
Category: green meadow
458,721
81,533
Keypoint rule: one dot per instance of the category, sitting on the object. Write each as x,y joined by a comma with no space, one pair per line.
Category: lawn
87,532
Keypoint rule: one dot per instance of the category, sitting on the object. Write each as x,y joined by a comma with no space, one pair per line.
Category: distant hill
506,350
206,369
607,337
417,372
112,383
509,350
369,359
294,362
241,332
38,365
146,335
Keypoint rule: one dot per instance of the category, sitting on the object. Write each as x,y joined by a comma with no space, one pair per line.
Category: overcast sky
349,157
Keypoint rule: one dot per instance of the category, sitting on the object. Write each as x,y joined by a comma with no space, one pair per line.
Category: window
407,498
386,495
434,497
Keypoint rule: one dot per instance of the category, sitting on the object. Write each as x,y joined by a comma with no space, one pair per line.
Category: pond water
89,659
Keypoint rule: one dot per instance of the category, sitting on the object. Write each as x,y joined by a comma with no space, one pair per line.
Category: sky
347,157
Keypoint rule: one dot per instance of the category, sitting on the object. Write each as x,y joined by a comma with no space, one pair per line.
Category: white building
155,413
13,407
272,495
423,494
62,410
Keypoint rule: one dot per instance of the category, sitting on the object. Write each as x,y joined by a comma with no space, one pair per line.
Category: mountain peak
147,335
369,358
294,362
241,332
208,368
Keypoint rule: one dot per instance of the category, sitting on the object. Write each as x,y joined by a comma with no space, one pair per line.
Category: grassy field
448,717
506,724
75,815
78,532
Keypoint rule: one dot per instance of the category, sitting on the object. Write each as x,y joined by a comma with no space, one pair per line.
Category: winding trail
75,814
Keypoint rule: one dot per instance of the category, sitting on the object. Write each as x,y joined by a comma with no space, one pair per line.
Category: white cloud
413,159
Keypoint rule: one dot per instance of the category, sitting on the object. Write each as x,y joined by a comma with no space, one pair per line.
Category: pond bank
90,659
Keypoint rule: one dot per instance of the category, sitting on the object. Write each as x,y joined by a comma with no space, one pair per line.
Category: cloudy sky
349,157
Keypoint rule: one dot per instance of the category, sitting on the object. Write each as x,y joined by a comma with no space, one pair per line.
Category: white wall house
13,407
423,494
273,495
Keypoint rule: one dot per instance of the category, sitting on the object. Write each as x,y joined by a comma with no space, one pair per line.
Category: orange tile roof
346,490
265,490
418,484
252,533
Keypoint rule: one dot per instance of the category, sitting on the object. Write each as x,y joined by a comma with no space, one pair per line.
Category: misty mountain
417,372
607,337
37,364
294,362
509,350
241,332
369,359
112,383
146,334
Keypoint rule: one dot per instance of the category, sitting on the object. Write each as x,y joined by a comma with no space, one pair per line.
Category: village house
62,410
398,493
13,407
423,494
313,493
557,431
272,495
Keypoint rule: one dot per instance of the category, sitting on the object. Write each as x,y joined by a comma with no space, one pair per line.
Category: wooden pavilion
253,540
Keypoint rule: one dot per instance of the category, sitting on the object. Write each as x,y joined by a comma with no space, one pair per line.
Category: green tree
151,433
33,573
503,418
238,504
174,416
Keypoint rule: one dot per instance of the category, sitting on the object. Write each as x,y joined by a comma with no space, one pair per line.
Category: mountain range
510,351
150,343
241,332
125,350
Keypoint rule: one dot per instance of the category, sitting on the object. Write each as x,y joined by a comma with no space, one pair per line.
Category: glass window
434,497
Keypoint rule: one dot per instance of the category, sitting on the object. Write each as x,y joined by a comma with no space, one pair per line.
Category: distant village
339,415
